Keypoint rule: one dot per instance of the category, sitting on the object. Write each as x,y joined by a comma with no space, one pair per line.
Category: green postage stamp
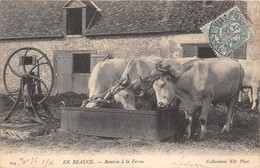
227,32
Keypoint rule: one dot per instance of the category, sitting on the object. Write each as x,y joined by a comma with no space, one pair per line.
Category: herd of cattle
155,82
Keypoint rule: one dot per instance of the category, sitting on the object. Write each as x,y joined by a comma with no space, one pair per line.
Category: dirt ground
242,139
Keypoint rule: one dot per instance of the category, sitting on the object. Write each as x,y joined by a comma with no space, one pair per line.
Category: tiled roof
23,19
120,17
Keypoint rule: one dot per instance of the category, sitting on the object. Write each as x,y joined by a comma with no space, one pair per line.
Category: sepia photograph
129,84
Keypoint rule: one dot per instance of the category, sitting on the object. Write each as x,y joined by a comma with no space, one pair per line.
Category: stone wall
126,47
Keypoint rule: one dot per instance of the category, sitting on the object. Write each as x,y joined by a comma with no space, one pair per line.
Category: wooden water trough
120,123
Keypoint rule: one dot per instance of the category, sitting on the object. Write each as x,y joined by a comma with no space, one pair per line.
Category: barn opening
81,63
206,52
74,21
201,50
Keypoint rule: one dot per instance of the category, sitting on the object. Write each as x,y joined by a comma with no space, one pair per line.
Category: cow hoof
224,130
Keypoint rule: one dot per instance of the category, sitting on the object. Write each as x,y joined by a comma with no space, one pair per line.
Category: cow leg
203,117
230,111
250,95
188,118
240,96
232,119
255,97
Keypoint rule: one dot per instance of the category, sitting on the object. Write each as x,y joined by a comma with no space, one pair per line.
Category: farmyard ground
242,139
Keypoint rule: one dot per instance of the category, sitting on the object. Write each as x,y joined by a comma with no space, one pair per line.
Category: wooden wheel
30,64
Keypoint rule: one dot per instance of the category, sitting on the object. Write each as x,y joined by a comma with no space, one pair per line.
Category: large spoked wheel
28,63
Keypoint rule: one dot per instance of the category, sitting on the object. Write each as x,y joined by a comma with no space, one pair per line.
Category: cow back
140,67
217,78
104,74
251,73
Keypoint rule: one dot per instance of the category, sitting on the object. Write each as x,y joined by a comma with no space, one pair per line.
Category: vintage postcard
129,84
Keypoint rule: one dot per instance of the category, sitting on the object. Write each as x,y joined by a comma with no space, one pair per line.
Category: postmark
227,32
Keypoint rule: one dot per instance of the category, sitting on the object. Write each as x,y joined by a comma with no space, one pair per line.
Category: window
206,52
79,16
201,50
28,60
74,21
81,63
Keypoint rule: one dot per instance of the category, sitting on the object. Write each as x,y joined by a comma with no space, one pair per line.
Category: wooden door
73,69
63,72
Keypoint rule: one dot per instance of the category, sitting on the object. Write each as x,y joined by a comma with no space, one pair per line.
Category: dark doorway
206,52
74,21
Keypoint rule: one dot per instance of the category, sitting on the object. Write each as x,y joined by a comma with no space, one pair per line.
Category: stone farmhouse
76,34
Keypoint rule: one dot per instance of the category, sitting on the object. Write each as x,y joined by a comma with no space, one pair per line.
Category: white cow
251,80
198,83
123,89
104,74
136,69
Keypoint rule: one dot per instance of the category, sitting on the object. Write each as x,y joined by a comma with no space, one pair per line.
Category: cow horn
152,78
158,64
126,81
167,69
149,80
163,69
117,87
159,67
107,96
